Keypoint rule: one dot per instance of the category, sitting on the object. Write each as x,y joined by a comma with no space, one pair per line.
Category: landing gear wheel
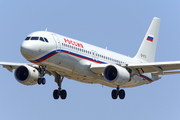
114,94
56,94
39,81
43,81
63,94
121,94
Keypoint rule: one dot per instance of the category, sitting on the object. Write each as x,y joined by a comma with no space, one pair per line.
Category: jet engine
118,74
26,75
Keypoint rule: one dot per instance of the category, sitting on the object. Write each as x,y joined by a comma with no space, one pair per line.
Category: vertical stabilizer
147,50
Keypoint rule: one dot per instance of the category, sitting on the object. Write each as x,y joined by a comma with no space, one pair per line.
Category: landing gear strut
59,92
41,80
116,92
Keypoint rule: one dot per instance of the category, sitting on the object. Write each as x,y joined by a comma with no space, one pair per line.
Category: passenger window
41,39
34,38
45,39
27,38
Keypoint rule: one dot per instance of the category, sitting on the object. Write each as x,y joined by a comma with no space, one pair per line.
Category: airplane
60,56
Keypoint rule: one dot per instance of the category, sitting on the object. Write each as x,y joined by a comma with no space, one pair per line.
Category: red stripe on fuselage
45,58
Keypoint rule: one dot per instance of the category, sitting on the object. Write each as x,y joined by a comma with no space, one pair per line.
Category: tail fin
147,49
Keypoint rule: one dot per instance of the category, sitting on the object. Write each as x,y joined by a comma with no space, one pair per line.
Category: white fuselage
72,58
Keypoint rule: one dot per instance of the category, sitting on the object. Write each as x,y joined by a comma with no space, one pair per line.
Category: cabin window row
76,48
94,54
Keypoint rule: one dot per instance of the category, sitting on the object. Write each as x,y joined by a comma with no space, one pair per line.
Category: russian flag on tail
150,38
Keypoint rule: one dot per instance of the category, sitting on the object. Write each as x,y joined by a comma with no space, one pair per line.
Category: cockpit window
37,38
27,38
41,39
34,38
45,39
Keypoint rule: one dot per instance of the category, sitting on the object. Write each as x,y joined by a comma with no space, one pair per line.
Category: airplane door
57,41
94,55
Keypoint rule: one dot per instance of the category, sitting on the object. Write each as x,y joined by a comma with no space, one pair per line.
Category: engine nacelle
26,75
118,74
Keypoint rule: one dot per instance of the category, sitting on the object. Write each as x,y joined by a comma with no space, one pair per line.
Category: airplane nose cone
27,50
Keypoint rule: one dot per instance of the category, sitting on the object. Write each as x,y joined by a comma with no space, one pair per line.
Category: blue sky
118,25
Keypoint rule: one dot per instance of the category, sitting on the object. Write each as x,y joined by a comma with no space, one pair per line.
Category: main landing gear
42,80
59,92
63,94
116,92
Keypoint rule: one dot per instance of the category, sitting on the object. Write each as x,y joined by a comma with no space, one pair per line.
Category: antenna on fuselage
46,30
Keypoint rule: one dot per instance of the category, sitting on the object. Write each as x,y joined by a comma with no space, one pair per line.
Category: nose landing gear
41,80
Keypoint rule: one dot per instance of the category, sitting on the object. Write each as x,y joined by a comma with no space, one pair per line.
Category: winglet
147,49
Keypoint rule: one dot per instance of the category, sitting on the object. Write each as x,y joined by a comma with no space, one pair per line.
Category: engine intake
26,75
118,74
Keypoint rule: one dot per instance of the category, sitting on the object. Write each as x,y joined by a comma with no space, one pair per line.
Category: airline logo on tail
150,38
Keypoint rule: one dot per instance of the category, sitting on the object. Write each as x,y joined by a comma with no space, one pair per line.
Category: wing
10,66
98,68
157,68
